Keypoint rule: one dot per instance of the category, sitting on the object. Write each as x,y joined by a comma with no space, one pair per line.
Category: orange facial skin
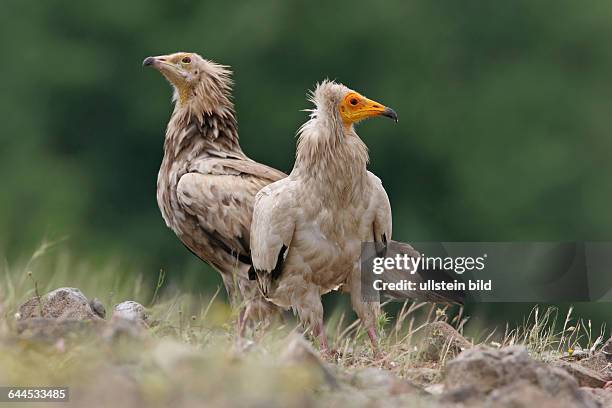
356,107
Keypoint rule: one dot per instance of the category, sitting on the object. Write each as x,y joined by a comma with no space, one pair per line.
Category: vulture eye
186,60
353,101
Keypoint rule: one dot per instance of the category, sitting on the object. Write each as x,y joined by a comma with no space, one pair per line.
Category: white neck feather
331,156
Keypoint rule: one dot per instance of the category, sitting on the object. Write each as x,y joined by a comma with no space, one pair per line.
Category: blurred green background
504,133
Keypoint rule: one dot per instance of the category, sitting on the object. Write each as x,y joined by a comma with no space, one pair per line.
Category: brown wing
220,194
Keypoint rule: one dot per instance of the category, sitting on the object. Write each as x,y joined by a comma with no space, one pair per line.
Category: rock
459,395
132,311
526,394
372,378
441,341
509,377
598,363
401,387
50,329
97,307
62,303
604,397
584,375
344,398
435,389
120,328
601,361
383,380
422,375
129,321
299,352
607,348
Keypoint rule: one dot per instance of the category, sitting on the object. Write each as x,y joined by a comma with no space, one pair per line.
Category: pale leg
310,312
366,311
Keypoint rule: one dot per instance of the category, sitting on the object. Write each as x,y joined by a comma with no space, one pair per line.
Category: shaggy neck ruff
203,122
330,156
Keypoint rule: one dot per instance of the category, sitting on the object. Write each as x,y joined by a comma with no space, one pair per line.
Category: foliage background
504,108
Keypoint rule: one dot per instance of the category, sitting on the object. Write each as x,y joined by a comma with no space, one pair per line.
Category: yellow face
179,68
355,107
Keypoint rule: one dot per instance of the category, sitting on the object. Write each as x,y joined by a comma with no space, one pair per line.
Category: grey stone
62,303
299,352
600,361
441,341
509,377
526,394
97,307
130,310
584,375
385,381
422,375
604,397
50,329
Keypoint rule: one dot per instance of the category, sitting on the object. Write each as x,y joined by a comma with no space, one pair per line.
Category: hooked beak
164,65
389,113
369,108
160,62
149,61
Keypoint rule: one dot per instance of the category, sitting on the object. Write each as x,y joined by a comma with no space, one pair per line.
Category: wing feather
220,194
382,227
272,227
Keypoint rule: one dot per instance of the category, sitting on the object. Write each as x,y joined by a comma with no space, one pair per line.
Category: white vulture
308,228
206,185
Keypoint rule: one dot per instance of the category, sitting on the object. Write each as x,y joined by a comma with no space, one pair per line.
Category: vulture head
193,78
329,138
343,105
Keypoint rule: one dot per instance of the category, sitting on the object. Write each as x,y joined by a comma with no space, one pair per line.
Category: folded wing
220,194
271,231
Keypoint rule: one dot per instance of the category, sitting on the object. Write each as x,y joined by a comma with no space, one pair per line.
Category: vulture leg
255,311
366,311
230,287
319,333
235,303
307,303
373,338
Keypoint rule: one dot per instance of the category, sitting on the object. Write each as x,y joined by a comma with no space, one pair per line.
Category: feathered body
319,215
206,185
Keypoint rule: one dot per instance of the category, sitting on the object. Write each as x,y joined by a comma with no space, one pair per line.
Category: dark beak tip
390,113
148,61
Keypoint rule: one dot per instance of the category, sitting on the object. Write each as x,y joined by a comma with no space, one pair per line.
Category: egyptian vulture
206,185
308,228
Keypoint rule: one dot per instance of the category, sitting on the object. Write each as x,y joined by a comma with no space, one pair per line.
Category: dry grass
191,354
546,339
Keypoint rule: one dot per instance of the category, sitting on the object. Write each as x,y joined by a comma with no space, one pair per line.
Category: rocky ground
129,357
